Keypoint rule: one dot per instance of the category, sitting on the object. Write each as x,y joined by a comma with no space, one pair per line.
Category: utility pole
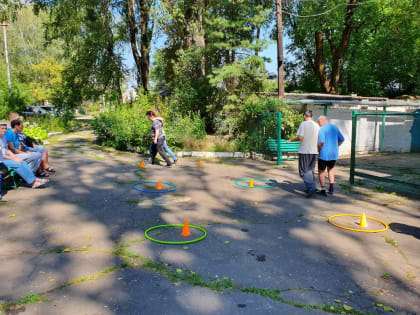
6,53
280,60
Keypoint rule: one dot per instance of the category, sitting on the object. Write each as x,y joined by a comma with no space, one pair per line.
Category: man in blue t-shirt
329,139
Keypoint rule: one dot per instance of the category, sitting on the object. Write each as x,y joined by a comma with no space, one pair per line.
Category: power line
325,12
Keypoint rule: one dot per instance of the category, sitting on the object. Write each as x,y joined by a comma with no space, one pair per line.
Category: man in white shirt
307,134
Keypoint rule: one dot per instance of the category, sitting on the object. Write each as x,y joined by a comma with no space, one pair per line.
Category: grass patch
410,276
120,182
132,201
99,157
350,189
80,201
390,241
379,189
385,276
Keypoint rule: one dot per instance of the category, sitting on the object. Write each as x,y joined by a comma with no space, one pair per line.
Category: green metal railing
353,171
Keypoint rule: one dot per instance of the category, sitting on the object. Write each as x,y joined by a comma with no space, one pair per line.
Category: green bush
126,127
49,123
257,121
20,97
36,132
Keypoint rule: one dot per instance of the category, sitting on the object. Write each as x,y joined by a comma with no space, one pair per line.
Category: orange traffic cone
363,222
251,183
186,229
159,185
200,164
142,164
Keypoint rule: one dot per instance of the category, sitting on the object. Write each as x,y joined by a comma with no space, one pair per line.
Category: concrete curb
55,133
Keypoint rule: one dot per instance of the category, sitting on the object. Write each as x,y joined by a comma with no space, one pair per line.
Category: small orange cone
251,183
186,229
142,164
200,164
363,222
159,185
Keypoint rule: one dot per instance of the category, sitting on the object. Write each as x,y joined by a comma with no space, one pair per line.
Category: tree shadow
405,229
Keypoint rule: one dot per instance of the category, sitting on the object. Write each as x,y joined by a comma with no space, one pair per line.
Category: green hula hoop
237,183
175,243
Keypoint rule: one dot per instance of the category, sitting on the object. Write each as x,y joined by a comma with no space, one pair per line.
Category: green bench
8,177
284,147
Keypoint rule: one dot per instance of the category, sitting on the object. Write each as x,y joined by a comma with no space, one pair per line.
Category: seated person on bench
32,158
16,163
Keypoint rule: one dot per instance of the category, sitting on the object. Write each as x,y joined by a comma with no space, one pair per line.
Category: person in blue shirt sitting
32,158
329,139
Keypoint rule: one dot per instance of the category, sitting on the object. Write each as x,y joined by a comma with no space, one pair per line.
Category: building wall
397,130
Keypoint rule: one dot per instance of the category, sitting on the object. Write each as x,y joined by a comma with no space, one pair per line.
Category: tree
223,36
29,45
140,23
334,28
365,47
47,79
89,30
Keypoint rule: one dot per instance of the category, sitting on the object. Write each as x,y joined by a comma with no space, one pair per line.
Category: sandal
40,183
50,169
43,174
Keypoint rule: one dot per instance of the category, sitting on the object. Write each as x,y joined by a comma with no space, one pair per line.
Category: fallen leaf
255,202
227,242
347,308
52,280
279,237
120,278
178,270
337,301
66,250
12,215
388,309
186,247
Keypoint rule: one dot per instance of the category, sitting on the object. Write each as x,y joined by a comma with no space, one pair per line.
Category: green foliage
36,133
383,54
47,79
21,95
126,127
50,123
257,121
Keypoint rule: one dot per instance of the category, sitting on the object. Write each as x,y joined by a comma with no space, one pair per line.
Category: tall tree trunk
140,44
134,36
110,49
6,54
146,31
338,58
320,64
338,53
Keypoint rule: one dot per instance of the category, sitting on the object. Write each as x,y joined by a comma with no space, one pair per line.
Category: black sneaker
310,194
323,193
175,161
169,166
331,192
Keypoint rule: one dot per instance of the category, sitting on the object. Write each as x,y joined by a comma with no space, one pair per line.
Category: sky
158,43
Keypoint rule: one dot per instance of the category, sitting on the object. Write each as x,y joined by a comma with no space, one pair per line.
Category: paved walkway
78,246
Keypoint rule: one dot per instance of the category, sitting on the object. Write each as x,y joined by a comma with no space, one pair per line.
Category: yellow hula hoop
357,230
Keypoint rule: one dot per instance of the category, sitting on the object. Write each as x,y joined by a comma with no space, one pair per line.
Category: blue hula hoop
153,191
272,184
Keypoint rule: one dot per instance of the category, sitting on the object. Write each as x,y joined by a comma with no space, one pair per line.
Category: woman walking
158,138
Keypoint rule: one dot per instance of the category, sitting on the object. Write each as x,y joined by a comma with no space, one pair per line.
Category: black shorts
324,164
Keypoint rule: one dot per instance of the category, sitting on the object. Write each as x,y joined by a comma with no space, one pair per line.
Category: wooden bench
284,147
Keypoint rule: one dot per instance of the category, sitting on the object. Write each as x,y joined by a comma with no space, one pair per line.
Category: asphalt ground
78,246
